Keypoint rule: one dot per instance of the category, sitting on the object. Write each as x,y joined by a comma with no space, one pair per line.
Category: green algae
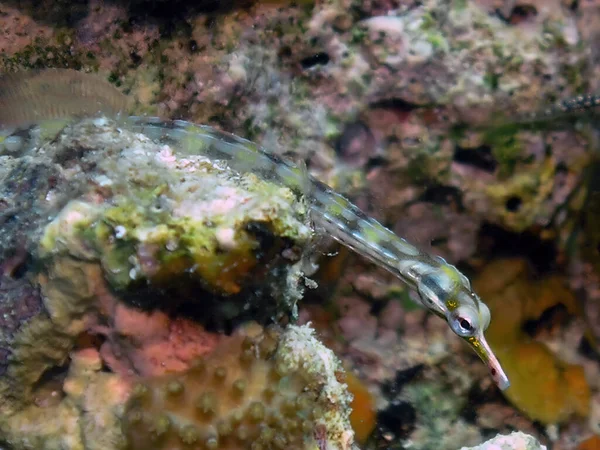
41,55
169,214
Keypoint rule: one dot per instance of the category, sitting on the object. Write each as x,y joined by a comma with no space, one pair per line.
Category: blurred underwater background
165,284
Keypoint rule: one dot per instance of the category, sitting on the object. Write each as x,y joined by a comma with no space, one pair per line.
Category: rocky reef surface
136,261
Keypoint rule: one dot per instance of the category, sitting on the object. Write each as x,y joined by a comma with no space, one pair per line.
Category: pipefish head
447,293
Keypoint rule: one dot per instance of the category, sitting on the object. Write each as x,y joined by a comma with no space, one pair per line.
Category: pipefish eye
464,322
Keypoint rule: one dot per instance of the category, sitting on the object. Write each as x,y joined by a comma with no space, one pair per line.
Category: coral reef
272,389
397,103
282,392
133,247
312,79
417,375
148,215
81,411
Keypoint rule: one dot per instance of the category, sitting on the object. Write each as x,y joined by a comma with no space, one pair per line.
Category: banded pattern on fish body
33,96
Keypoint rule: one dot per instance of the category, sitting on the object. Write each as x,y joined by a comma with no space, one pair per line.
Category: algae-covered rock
113,233
150,216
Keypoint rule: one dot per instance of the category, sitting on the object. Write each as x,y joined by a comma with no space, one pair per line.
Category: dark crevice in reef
392,388
260,297
316,59
398,419
67,13
513,203
519,14
440,194
547,320
479,158
186,296
55,374
496,242
478,396
397,104
58,13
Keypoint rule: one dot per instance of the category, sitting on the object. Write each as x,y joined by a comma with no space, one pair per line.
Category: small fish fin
30,97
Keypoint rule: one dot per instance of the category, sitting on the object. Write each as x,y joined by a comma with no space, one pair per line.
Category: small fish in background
29,97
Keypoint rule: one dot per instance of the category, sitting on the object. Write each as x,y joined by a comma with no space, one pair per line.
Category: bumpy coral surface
273,392
81,410
272,389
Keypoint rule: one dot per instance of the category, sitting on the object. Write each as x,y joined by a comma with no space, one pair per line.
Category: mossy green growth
505,147
164,215
158,251
42,54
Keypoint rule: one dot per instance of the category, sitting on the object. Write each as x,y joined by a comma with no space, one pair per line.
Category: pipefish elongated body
441,288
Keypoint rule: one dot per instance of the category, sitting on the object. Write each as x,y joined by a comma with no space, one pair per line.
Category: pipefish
442,289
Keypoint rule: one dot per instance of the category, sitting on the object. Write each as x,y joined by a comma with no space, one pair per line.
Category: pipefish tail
441,288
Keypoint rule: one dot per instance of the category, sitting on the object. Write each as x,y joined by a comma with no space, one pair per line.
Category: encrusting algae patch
150,215
542,386
364,413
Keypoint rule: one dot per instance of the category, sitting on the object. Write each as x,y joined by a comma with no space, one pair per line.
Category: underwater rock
161,223
137,248
257,389
513,441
